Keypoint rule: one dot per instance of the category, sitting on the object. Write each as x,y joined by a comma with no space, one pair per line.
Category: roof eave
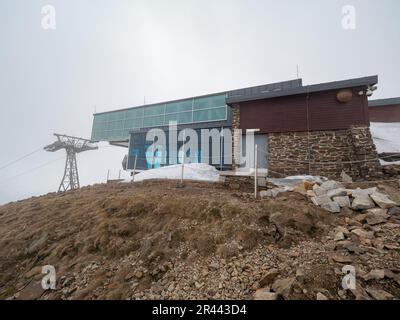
351,83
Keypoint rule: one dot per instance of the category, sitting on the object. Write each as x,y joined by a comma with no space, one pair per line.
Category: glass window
101,117
179,106
115,125
209,102
154,110
184,117
133,123
116,115
210,114
96,126
153,121
134,113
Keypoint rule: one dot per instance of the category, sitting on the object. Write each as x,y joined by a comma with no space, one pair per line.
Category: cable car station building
320,129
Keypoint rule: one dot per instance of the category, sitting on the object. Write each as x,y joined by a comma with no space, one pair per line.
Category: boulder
283,287
362,202
331,207
265,294
363,192
339,236
330,185
382,200
363,233
342,201
320,200
318,190
376,216
379,294
339,192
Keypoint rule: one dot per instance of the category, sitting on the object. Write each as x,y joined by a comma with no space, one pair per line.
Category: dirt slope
154,240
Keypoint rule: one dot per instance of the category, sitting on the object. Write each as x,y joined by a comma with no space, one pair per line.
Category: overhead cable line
19,159
31,170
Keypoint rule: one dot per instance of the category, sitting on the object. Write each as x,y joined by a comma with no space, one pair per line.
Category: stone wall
325,153
235,136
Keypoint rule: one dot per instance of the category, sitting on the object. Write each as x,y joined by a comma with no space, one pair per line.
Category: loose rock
265,294
382,200
362,202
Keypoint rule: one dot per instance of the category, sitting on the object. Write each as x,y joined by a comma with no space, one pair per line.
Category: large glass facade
113,126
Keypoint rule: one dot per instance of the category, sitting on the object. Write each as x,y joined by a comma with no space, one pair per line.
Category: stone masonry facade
235,136
326,153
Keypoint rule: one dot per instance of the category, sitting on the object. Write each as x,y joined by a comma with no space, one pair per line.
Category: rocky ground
156,240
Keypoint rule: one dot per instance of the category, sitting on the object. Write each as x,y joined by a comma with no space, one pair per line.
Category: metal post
255,170
108,175
134,170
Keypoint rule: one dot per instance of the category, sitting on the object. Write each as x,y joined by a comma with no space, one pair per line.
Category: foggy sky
106,55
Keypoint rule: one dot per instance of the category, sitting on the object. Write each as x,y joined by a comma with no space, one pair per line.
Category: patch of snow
289,182
192,171
386,136
386,163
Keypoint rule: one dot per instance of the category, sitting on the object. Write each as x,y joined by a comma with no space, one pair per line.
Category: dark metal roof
265,89
295,87
272,90
384,102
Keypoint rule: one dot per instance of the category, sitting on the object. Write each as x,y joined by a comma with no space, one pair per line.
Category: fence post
108,175
255,170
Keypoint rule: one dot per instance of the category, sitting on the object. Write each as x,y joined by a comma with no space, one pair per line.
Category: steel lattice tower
72,146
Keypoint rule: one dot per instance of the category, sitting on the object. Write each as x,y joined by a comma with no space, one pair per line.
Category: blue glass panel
179,106
153,121
134,113
210,115
209,102
154,110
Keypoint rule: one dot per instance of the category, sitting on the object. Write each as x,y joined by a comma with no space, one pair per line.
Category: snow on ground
387,163
192,171
386,136
289,182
